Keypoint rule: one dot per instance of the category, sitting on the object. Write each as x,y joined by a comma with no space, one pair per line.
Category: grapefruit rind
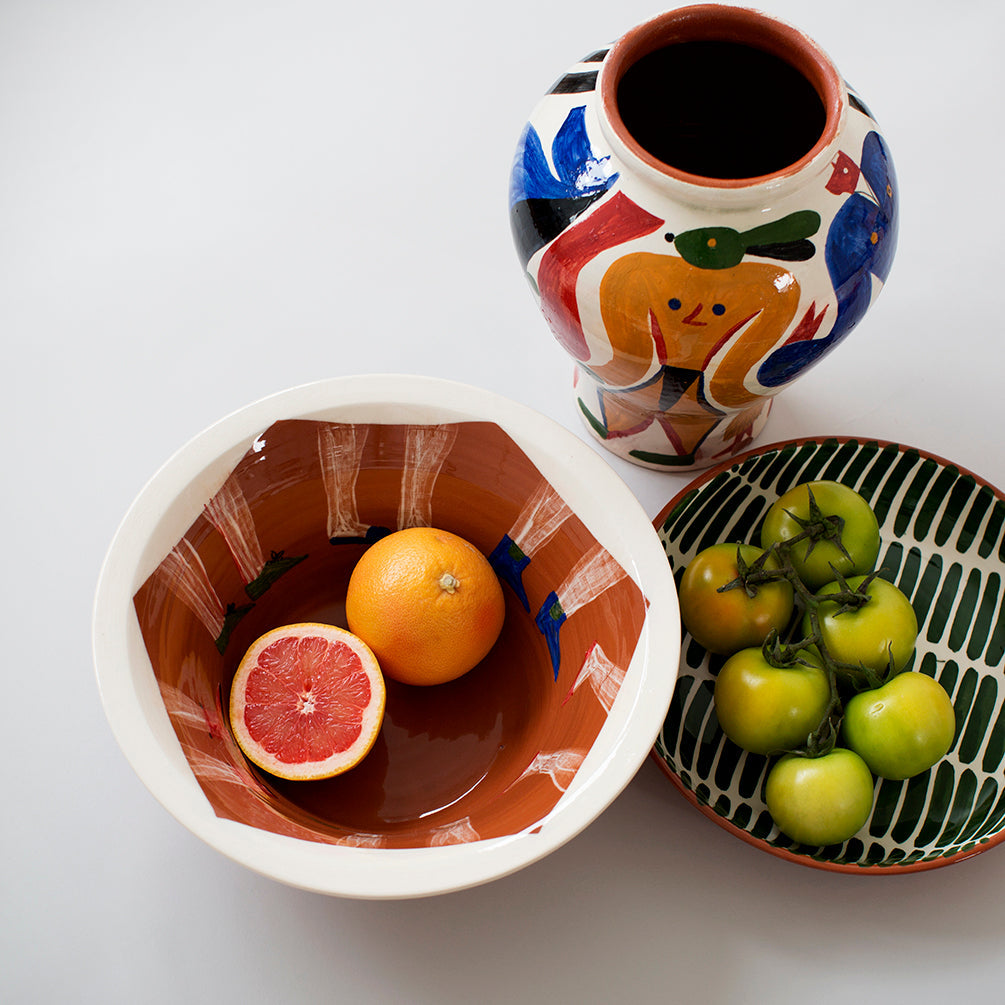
309,770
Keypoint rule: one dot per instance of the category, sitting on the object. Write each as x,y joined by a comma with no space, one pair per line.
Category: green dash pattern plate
943,545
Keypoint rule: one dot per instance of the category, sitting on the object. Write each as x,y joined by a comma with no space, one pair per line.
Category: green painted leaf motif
944,546
711,247
724,248
795,227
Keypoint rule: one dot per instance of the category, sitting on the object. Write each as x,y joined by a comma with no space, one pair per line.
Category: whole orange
427,602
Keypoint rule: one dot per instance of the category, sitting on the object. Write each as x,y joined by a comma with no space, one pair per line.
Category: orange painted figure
687,331
684,339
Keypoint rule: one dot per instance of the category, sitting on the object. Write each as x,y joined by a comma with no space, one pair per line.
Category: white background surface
203,202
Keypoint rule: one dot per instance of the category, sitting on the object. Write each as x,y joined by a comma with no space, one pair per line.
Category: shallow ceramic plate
943,545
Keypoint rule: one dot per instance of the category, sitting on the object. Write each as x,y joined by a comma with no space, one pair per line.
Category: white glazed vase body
688,301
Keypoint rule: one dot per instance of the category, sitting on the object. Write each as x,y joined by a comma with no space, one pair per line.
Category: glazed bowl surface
259,521
943,545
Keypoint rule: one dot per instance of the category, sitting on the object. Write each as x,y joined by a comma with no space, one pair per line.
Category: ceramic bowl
943,545
259,521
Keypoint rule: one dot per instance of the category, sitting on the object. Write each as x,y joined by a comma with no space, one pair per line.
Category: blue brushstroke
578,171
853,258
549,619
509,561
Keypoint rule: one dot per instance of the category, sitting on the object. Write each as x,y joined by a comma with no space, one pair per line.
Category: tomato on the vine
856,528
901,728
765,708
883,629
819,541
725,621
820,800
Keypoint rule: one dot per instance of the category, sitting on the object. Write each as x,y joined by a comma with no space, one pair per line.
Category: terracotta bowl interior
486,756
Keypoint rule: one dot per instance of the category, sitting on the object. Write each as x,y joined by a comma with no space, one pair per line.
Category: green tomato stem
786,654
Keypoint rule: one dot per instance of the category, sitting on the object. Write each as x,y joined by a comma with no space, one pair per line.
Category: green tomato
813,560
725,622
820,800
767,709
901,728
886,627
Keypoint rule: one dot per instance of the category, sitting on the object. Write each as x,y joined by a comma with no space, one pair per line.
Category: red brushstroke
658,339
615,434
726,336
743,437
612,223
844,178
809,325
690,319
666,423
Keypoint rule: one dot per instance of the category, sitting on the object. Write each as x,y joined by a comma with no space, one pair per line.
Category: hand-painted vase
704,210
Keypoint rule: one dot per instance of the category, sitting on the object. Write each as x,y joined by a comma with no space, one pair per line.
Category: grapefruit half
307,701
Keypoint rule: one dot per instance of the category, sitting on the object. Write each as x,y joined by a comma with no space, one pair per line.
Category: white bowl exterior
175,496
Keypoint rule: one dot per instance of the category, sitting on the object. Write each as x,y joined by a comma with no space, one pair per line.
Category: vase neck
709,78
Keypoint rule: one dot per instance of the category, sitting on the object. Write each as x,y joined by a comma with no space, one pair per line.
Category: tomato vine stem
787,653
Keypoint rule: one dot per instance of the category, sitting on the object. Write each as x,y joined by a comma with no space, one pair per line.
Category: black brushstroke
785,251
858,104
537,222
576,83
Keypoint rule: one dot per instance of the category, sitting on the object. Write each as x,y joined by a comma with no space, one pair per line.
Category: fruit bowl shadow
259,522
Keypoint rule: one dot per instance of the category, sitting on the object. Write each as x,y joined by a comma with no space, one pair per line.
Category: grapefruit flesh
307,701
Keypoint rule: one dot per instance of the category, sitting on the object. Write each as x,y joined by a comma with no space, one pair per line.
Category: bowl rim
780,852
175,494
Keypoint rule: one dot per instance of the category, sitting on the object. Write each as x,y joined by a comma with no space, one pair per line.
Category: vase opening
720,96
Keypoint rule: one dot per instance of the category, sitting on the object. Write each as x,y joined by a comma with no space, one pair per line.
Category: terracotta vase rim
721,23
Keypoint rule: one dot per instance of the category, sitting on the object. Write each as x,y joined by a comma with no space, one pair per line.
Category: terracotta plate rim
780,852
